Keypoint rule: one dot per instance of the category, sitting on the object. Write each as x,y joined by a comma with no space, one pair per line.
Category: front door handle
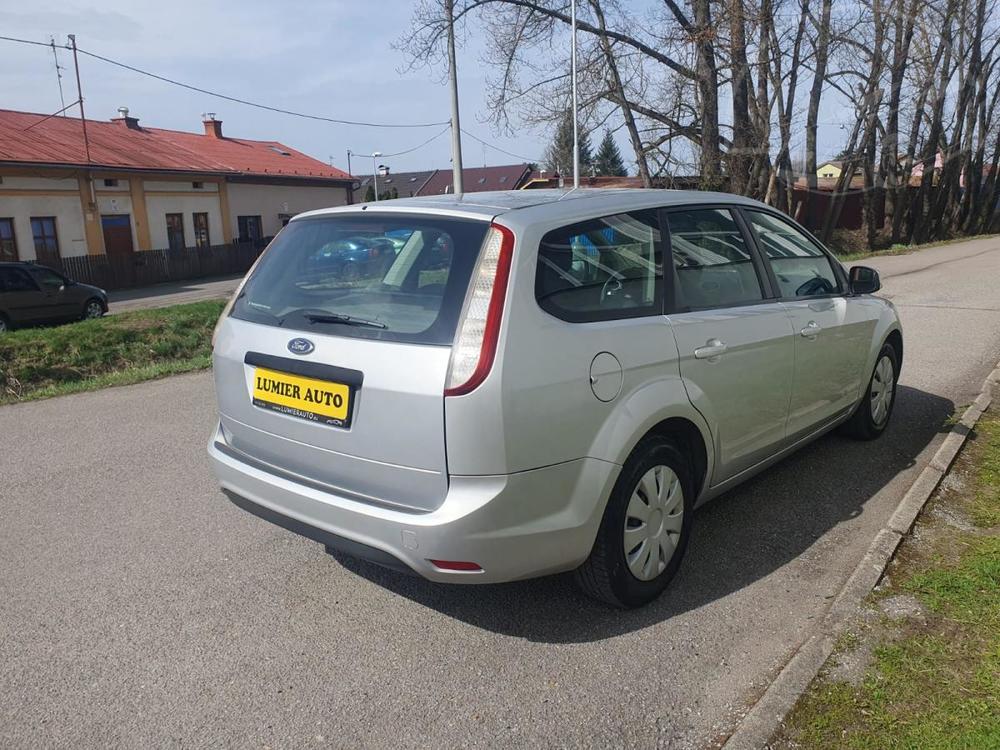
811,331
713,348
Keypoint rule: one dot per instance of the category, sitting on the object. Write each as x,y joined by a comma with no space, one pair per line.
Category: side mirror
864,280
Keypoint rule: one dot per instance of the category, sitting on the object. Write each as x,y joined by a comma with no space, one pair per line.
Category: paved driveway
139,608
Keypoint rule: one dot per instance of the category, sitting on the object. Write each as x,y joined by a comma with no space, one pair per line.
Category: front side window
800,266
43,229
713,266
8,245
396,278
601,269
49,279
201,238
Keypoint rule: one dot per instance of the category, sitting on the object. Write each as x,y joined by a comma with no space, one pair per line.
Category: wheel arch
690,440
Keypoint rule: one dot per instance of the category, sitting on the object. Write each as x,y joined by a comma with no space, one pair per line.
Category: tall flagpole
456,128
576,130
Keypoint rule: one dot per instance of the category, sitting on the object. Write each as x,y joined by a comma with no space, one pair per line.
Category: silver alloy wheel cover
93,310
882,390
3,325
653,521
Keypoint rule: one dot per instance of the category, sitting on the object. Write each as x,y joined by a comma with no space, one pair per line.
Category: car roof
530,205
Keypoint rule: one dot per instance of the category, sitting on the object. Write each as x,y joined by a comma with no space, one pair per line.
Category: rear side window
800,266
713,266
16,280
398,278
601,269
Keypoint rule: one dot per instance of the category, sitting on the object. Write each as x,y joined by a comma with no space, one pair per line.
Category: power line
258,105
411,150
237,100
497,148
22,41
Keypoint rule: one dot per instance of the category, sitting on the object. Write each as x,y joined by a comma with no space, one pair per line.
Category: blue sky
332,58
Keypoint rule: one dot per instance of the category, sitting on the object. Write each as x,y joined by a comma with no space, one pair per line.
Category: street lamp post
375,155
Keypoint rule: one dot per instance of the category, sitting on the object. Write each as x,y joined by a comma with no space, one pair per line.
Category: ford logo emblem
300,346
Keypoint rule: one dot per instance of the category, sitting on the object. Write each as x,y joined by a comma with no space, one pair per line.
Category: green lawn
115,350
933,681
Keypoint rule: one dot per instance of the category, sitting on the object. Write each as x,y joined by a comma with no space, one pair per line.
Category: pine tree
608,160
559,156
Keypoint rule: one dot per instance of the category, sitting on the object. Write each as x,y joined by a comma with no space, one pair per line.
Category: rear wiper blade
349,320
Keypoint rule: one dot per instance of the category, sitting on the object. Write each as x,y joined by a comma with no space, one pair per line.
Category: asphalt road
138,608
174,293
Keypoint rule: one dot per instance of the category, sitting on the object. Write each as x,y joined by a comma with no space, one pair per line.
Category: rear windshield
395,278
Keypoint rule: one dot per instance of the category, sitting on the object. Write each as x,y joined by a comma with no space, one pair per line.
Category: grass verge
929,676
116,350
848,251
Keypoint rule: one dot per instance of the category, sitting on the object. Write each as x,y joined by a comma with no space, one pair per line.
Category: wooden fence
146,267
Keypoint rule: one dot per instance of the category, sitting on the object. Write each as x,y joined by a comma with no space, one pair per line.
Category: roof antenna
59,70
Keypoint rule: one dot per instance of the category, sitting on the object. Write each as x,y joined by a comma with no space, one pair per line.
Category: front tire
872,415
93,309
4,324
645,528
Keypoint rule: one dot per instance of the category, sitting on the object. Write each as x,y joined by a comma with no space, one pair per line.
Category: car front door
22,300
832,331
60,301
734,340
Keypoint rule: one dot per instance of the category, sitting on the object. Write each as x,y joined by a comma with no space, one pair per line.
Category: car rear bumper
513,526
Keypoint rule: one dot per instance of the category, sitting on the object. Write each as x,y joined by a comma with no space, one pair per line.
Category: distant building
439,181
144,188
830,170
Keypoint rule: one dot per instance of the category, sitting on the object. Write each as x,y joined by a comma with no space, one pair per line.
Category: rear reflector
455,565
479,329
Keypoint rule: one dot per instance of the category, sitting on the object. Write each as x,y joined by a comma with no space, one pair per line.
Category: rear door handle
713,348
811,331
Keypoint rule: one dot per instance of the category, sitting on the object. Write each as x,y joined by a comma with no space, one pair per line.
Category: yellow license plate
307,398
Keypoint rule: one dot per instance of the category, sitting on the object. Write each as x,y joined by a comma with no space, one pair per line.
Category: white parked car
521,383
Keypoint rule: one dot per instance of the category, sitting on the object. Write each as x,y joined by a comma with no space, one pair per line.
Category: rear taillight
479,328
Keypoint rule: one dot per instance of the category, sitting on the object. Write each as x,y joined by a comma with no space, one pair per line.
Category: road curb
756,728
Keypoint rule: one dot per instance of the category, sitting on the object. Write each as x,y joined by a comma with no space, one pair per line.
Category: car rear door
22,299
734,340
832,336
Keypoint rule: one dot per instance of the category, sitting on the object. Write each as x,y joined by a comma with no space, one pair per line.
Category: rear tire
872,415
93,309
4,323
645,528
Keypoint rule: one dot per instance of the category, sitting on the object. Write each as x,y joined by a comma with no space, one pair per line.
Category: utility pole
576,130
79,95
375,156
348,162
55,57
456,128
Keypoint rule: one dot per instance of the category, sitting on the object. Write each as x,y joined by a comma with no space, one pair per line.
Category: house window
197,185
8,245
43,229
250,228
201,237
175,231
111,183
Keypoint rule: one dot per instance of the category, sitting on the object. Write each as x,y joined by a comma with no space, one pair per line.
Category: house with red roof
70,187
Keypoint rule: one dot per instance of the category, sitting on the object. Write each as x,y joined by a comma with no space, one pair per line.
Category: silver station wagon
508,385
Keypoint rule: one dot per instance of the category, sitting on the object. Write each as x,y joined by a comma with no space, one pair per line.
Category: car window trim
835,265
654,309
767,289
